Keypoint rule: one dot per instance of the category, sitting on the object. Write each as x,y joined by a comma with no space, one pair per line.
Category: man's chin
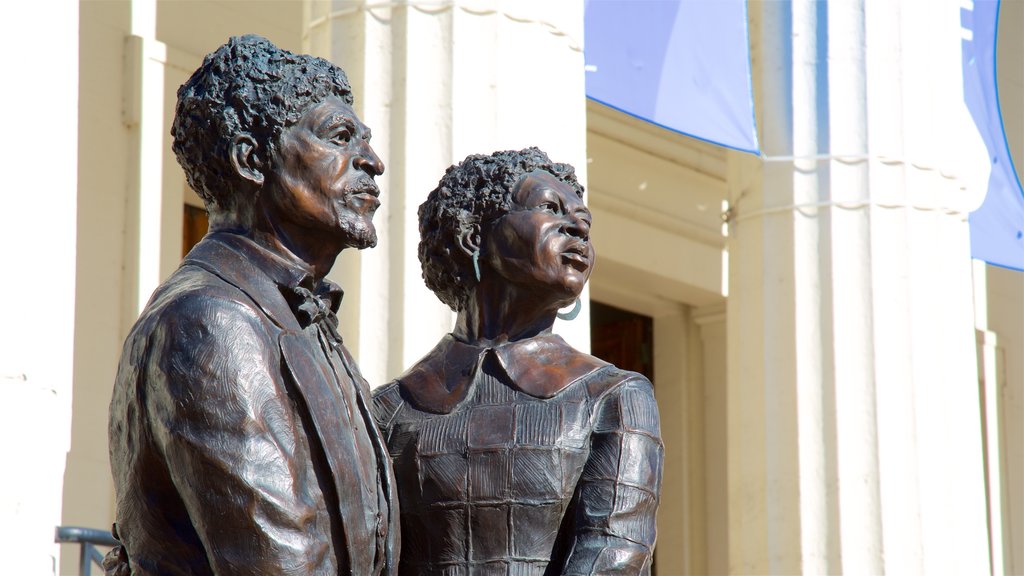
356,230
360,238
365,243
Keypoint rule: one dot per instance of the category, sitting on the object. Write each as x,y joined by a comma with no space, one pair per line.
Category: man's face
320,180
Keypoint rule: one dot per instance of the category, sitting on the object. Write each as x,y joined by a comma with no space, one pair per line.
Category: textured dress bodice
510,483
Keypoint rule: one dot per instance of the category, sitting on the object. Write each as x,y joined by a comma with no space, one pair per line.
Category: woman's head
470,196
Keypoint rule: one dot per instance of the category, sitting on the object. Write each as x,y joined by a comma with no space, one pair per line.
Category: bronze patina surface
513,452
241,439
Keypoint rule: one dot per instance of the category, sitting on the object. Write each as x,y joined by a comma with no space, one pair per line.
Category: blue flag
997,227
683,65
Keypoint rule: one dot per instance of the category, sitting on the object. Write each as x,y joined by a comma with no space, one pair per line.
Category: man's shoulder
197,333
195,304
195,292
207,282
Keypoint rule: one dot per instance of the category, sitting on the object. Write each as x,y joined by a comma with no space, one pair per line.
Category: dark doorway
195,225
626,340
622,338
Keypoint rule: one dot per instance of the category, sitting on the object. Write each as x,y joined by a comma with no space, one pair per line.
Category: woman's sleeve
618,491
386,403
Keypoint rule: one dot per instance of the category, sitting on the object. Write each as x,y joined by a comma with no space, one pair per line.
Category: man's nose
368,161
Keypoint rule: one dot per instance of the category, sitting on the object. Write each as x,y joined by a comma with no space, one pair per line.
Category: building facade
841,388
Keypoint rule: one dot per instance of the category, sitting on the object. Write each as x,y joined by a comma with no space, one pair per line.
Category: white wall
657,197
102,151
1006,319
1005,302
37,295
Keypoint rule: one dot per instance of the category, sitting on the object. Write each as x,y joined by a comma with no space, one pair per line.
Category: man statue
240,436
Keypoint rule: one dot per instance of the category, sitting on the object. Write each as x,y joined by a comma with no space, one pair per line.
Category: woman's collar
541,366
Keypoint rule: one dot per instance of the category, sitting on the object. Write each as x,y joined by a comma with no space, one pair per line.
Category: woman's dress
526,458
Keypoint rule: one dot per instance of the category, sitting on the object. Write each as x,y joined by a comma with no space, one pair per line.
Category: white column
37,293
711,321
854,425
436,81
152,248
1000,332
676,386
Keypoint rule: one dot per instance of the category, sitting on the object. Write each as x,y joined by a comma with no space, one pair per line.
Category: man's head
237,135
474,193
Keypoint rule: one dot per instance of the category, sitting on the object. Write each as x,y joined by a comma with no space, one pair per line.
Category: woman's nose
578,227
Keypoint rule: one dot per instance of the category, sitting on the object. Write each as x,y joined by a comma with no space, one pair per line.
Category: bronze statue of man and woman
243,438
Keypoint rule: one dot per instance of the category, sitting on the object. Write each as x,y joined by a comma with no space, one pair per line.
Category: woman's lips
577,260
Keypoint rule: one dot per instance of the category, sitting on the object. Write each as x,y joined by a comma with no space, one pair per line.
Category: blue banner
683,65
997,227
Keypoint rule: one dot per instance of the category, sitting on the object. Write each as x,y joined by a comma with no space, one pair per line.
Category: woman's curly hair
478,190
247,86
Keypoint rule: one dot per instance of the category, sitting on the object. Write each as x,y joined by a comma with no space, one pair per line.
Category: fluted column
853,412
436,81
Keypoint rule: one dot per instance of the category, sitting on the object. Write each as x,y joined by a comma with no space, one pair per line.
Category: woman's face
543,244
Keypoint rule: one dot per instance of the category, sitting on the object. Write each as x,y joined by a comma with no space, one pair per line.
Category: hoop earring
572,314
476,265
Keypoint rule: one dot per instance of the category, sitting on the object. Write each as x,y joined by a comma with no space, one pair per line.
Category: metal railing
89,539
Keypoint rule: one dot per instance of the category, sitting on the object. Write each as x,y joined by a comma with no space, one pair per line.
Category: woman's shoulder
387,400
612,380
624,400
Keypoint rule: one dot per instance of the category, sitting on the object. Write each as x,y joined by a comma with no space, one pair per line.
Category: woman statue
515,453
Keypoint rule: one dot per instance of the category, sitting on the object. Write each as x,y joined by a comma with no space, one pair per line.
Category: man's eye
552,207
343,136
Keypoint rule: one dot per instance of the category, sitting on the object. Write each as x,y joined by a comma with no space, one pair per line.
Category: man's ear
244,159
469,238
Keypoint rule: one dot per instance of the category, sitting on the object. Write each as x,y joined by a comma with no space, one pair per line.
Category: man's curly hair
248,86
478,190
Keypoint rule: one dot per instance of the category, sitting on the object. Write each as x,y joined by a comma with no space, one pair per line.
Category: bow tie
310,308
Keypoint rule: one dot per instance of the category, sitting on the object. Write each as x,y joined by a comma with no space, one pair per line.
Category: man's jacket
236,446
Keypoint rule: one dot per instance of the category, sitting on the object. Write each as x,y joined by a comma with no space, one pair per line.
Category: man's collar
287,272
267,279
541,366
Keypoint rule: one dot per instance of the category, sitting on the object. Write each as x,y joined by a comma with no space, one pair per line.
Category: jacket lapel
224,256
383,461
324,406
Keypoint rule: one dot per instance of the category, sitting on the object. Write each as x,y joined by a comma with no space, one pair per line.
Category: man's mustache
364,185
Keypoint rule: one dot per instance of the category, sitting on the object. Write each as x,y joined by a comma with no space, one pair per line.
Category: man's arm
617,494
220,415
